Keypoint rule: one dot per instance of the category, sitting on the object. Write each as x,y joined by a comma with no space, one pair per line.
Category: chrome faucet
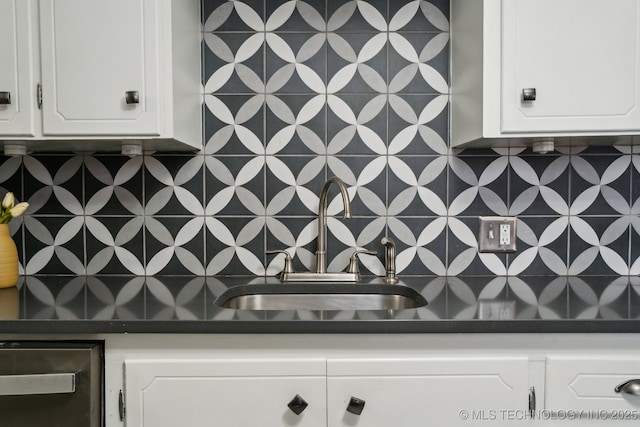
352,274
389,260
321,254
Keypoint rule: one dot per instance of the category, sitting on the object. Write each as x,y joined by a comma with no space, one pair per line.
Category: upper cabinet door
581,57
17,87
100,67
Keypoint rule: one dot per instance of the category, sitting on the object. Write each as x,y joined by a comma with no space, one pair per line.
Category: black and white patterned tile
234,124
115,245
233,62
235,186
599,245
366,179
295,124
542,246
418,124
174,245
54,184
417,186
173,185
357,124
54,245
296,62
421,244
600,188
113,185
294,93
299,16
294,183
235,245
478,185
539,185
297,236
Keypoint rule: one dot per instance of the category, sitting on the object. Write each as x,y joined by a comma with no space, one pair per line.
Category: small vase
8,258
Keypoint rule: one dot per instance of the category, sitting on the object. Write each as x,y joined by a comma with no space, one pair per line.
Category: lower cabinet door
428,392
226,393
602,389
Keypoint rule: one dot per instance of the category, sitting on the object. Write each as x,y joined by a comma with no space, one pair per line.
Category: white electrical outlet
497,234
505,234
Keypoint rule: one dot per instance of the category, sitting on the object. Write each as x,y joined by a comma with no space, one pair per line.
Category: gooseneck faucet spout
321,254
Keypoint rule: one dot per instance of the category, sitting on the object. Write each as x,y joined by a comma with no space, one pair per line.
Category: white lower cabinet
395,392
604,390
447,391
458,380
229,393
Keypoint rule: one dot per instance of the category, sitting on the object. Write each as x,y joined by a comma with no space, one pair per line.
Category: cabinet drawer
588,383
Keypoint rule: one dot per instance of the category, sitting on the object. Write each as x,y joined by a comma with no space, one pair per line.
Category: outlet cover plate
497,234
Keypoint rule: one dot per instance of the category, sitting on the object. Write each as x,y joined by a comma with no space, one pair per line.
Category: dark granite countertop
133,304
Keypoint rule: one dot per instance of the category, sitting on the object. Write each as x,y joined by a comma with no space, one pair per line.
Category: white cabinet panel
109,72
588,383
440,392
409,380
93,52
582,58
396,392
229,393
16,68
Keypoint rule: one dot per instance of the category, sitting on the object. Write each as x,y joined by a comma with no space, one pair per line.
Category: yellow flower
19,209
9,209
8,201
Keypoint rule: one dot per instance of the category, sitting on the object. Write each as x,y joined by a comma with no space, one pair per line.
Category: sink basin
321,296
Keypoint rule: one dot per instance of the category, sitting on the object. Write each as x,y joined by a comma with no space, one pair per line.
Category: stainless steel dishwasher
51,383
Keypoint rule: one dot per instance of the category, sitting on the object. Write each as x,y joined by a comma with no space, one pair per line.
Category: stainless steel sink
321,296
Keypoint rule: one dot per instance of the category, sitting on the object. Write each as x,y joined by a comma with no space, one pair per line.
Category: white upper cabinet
544,68
89,77
108,71
581,57
17,85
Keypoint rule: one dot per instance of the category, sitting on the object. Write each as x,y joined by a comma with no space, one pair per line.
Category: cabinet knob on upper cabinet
132,97
355,405
297,404
5,98
529,94
631,387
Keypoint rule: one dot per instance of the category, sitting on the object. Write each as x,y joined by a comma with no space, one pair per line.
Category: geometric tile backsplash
296,92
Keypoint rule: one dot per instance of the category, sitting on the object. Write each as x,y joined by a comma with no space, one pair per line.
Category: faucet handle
353,261
288,262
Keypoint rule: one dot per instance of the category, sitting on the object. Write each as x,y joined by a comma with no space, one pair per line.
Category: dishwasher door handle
18,385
